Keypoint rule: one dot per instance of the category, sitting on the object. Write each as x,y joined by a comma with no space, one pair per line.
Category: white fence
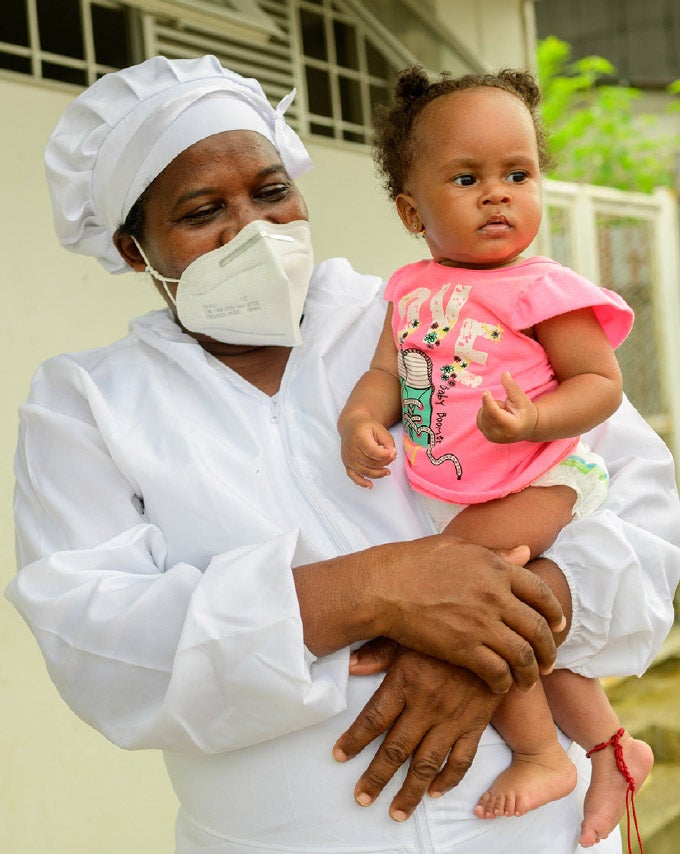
629,242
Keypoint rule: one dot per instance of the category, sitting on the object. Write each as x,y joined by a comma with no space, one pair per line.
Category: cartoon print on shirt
443,317
425,424
415,375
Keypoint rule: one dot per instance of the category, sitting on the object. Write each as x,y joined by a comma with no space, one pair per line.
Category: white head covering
121,132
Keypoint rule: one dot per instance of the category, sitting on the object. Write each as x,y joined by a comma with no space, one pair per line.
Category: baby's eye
466,180
518,176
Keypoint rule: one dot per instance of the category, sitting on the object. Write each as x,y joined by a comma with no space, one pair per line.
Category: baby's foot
605,802
531,780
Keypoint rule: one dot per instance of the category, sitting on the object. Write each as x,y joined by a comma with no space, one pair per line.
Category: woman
196,587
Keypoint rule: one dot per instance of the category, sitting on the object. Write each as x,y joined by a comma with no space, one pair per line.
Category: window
241,11
337,53
76,41
73,41
345,70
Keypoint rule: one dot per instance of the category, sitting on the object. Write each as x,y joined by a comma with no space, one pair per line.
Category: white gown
160,503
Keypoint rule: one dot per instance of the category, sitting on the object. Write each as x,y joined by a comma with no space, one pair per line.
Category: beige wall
500,33
63,788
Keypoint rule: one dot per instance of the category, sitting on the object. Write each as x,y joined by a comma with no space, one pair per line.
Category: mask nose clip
246,244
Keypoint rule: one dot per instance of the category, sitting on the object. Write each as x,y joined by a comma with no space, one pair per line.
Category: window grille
71,41
332,51
628,243
271,63
341,58
345,68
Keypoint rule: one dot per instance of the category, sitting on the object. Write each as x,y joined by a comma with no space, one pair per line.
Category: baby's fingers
491,413
490,405
360,480
514,394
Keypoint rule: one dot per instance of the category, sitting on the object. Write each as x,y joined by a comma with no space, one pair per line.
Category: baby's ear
408,213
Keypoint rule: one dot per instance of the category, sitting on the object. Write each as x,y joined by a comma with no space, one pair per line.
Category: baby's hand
367,449
511,420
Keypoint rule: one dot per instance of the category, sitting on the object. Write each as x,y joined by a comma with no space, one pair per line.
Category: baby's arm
589,392
367,447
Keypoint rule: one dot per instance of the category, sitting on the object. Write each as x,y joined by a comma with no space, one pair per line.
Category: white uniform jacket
160,503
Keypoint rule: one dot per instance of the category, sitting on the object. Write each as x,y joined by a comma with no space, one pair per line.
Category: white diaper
583,470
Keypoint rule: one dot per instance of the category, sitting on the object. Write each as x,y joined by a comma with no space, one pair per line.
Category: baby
496,363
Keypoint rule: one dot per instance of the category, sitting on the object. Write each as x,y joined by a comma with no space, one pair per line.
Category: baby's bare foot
531,780
605,802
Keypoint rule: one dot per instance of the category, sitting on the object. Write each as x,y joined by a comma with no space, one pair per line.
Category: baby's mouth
496,223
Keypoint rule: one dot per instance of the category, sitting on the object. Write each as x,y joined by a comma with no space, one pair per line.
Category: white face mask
250,291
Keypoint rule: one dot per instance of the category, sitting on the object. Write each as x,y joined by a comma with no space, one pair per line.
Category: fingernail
353,659
363,799
398,815
339,755
436,794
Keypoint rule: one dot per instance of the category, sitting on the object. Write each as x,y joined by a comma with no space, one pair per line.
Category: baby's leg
532,517
581,709
540,770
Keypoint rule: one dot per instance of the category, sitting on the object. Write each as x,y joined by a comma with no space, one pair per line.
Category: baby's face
475,185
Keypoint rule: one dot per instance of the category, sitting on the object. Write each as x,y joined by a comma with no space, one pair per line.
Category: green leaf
593,131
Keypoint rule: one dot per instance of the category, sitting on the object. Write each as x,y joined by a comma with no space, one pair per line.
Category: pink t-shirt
457,330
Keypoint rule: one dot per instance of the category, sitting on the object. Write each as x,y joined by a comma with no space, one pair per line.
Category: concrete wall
63,788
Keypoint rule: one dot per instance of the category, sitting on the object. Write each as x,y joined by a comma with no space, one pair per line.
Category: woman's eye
273,192
466,180
205,212
518,176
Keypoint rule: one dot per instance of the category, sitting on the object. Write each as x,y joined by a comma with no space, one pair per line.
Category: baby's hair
393,123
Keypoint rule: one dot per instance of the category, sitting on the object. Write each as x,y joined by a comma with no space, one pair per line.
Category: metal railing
630,243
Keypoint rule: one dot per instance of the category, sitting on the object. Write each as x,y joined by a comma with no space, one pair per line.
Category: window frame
37,56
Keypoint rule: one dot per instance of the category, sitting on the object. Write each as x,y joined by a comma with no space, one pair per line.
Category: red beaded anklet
615,742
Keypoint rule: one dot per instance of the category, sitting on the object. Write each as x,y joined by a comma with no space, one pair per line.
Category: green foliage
595,135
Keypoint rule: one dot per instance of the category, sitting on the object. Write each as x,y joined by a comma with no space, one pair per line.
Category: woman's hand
430,711
457,602
466,605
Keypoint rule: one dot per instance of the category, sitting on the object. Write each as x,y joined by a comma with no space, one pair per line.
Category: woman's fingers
437,766
535,594
398,747
522,646
375,656
432,715
375,718
457,763
465,605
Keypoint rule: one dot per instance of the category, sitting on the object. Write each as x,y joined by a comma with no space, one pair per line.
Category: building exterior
63,788
641,40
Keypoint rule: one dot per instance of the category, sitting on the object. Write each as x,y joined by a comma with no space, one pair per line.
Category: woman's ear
129,251
408,213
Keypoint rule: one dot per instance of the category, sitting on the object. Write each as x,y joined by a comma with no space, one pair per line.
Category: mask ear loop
155,274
